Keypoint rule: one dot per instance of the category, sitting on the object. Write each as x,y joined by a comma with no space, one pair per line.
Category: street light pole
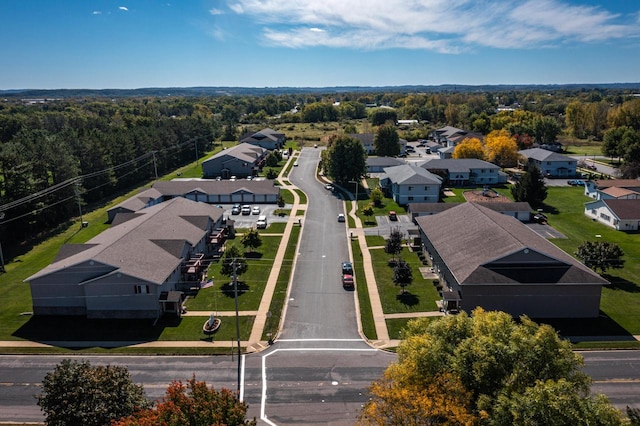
235,293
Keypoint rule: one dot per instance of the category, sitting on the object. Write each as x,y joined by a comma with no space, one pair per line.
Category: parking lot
249,221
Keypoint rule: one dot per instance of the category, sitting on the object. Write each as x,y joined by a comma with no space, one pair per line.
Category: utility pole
235,293
155,166
1,255
76,189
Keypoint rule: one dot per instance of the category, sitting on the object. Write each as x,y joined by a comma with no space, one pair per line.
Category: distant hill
262,91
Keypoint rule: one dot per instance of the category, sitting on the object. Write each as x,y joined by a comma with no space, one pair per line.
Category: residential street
319,368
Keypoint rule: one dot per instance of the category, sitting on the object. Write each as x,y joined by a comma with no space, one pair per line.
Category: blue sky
96,44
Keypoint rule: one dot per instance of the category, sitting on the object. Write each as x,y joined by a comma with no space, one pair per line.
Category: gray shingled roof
243,152
138,201
407,174
147,246
470,236
495,206
384,161
459,165
174,188
544,155
267,133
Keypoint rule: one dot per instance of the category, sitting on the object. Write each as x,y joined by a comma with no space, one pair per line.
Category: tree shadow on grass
618,283
253,255
228,290
408,299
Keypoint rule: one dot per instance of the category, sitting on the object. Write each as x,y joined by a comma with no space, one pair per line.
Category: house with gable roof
622,214
490,260
550,163
265,138
135,269
241,160
408,183
465,171
612,188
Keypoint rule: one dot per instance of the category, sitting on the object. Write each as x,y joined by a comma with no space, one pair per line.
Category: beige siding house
135,269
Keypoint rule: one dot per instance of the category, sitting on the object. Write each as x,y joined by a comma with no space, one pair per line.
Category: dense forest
58,152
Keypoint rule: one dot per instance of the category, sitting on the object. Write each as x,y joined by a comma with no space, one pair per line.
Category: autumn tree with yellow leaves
501,148
486,369
469,148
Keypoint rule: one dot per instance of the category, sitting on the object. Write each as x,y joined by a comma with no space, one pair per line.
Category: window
605,217
426,188
141,289
410,188
410,198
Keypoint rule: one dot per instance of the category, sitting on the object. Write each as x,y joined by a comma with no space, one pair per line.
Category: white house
407,184
622,214
466,171
612,188
550,163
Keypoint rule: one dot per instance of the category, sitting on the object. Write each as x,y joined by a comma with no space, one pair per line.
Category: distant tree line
57,154
116,144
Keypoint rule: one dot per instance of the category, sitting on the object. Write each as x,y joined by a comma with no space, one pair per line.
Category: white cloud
96,12
215,11
439,25
124,8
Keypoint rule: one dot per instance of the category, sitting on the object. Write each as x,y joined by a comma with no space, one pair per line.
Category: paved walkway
255,341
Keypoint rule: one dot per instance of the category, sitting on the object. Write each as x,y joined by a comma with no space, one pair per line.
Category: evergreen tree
531,188
386,142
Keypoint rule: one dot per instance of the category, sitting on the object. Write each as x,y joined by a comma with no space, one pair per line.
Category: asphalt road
319,369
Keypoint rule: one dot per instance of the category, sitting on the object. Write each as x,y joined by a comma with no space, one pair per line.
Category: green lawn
420,296
620,300
366,314
251,284
280,292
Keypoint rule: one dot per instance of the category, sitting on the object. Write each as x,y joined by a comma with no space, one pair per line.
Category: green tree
376,196
600,255
272,159
193,404
497,360
368,212
77,393
545,129
251,239
271,174
530,188
634,416
393,245
345,159
612,144
386,142
233,255
380,116
402,274
556,403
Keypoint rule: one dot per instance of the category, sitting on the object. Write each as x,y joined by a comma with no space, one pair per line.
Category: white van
262,222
